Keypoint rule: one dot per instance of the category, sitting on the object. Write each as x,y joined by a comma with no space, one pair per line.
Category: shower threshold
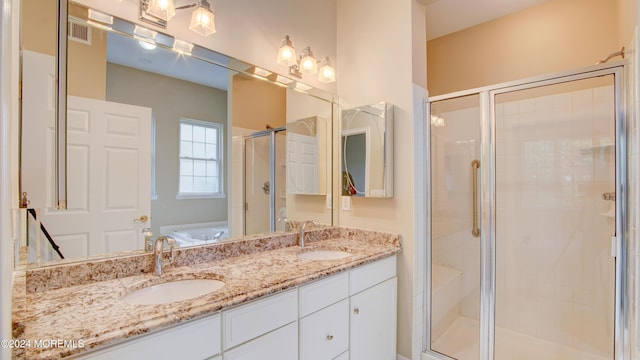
460,341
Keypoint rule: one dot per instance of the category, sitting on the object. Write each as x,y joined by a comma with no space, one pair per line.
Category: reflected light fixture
306,64
182,47
159,12
437,121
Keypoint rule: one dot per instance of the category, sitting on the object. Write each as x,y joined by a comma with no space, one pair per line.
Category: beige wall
170,100
87,67
553,36
372,58
87,64
257,103
38,26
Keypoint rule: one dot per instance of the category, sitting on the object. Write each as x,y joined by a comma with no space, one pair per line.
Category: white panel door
108,166
302,164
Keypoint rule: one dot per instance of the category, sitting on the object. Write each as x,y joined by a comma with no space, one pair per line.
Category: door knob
141,219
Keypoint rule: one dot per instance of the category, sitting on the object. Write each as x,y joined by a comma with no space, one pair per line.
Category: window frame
219,193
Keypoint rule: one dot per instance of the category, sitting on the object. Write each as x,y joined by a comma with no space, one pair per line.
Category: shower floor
461,341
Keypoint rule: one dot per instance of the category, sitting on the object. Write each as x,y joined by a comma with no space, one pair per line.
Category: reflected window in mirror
200,159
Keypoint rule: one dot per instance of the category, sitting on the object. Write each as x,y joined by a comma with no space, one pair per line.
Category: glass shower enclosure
264,180
526,251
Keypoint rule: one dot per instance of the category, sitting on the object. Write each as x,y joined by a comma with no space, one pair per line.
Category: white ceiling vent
79,32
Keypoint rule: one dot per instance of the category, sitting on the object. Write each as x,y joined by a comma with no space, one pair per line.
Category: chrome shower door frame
271,133
622,343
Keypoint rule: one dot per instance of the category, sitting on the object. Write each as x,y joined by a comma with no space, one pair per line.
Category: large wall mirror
196,146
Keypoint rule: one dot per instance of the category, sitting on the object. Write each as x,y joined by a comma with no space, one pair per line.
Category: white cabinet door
325,334
373,322
281,344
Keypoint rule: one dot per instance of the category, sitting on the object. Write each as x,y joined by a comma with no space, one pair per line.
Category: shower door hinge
615,246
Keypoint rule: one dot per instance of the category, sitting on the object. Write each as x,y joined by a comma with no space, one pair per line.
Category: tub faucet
302,230
158,252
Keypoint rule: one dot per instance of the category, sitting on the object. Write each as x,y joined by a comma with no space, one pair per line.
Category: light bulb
327,73
202,21
163,9
308,63
286,53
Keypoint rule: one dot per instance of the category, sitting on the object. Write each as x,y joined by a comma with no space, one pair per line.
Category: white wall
251,30
376,50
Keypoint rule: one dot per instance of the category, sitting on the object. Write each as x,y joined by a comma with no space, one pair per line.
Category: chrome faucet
302,230
158,252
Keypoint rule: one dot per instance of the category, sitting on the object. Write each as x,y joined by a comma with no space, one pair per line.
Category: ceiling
448,16
127,52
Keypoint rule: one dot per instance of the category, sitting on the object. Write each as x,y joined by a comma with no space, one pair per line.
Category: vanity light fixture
326,74
146,37
287,53
307,64
283,80
182,47
99,19
261,73
159,12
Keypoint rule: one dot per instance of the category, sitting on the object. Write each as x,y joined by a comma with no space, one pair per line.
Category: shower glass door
455,242
527,249
265,181
257,184
555,216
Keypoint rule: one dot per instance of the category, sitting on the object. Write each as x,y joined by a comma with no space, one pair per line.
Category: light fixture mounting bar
148,18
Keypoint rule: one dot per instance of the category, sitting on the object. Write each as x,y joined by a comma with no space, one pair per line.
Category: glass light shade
308,63
327,74
286,53
163,9
202,21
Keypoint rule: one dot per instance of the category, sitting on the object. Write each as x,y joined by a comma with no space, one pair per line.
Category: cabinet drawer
252,320
323,293
281,344
203,337
368,275
325,334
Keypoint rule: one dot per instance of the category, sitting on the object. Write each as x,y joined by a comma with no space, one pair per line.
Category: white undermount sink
323,255
172,291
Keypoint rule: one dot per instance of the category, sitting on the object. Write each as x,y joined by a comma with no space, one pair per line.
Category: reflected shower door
264,181
455,245
554,166
257,184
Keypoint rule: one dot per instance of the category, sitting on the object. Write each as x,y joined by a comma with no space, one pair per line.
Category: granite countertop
86,307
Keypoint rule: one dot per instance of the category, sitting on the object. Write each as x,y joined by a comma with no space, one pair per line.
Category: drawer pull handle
356,311
329,337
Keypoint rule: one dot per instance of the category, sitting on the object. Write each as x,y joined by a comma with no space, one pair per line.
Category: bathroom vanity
274,302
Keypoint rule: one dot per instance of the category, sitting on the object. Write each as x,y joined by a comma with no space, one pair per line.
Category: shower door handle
475,165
